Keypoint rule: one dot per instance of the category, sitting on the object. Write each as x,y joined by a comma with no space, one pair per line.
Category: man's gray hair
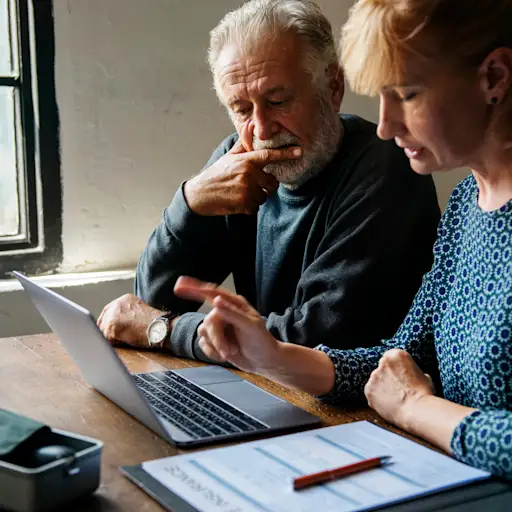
257,21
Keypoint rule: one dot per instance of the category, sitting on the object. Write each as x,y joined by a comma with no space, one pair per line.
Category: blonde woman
443,71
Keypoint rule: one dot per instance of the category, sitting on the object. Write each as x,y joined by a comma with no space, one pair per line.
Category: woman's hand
397,386
233,331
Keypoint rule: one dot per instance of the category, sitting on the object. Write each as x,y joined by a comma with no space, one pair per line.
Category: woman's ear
496,75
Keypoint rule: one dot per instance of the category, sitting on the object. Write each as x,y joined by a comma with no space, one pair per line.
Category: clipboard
487,496
254,475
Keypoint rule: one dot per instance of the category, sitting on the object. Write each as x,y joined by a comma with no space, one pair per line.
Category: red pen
333,474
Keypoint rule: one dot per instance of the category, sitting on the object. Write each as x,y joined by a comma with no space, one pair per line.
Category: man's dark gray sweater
337,261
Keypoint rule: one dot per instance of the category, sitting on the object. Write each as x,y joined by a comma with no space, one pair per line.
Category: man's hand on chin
126,319
236,183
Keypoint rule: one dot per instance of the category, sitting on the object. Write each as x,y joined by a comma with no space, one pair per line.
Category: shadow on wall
19,317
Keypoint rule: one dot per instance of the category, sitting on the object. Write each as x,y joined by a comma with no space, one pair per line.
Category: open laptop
187,407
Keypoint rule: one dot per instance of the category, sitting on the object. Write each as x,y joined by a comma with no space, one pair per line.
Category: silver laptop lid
93,354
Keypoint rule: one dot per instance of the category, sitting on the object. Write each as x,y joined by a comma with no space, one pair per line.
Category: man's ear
496,75
336,81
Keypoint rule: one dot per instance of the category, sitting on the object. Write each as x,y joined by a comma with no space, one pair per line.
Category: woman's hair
258,21
380,34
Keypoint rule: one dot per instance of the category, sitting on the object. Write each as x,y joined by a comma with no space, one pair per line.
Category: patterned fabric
460,324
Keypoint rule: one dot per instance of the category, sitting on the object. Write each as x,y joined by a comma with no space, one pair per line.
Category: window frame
40,250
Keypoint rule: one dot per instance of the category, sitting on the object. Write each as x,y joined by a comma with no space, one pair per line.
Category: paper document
257,476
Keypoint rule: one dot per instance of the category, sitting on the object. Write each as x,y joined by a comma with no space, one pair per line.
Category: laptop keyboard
192,408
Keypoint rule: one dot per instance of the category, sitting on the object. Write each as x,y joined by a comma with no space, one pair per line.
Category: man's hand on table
126,319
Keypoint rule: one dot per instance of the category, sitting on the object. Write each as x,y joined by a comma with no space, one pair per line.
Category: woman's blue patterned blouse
460,323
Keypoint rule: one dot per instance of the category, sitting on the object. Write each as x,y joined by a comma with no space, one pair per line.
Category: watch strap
170,315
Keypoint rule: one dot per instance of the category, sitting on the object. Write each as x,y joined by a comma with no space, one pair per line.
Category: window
30,188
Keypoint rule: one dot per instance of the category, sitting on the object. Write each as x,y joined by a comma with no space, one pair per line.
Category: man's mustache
280,140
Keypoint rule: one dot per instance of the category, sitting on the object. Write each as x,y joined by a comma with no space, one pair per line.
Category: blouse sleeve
484,440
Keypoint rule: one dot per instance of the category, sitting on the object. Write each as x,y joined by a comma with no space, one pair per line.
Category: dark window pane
9,203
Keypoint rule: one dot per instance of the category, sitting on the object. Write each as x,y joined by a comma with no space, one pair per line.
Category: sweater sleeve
183,243
484,440
375,249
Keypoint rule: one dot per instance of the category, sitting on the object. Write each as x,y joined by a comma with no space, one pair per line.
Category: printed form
257,476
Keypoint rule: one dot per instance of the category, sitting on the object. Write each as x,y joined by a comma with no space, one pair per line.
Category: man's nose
390,121
265,126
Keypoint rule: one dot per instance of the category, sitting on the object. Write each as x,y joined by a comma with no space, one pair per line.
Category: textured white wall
138,116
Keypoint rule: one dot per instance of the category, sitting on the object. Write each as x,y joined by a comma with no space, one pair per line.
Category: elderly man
325,228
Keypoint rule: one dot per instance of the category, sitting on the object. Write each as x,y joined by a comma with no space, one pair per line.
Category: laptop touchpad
250,399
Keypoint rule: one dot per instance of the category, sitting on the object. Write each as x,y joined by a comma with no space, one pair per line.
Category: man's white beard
294,173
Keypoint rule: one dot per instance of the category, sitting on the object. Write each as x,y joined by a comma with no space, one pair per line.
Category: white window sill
65,280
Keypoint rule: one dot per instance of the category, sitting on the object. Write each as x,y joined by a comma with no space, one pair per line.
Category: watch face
157,331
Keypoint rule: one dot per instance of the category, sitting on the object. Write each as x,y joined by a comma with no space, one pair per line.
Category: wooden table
39,380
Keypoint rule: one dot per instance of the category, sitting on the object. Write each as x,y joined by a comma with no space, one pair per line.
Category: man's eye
242,111
277,103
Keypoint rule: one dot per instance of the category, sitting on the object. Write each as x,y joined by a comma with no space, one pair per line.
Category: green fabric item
15,430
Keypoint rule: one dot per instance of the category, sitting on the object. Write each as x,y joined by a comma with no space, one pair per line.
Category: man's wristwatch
159,328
